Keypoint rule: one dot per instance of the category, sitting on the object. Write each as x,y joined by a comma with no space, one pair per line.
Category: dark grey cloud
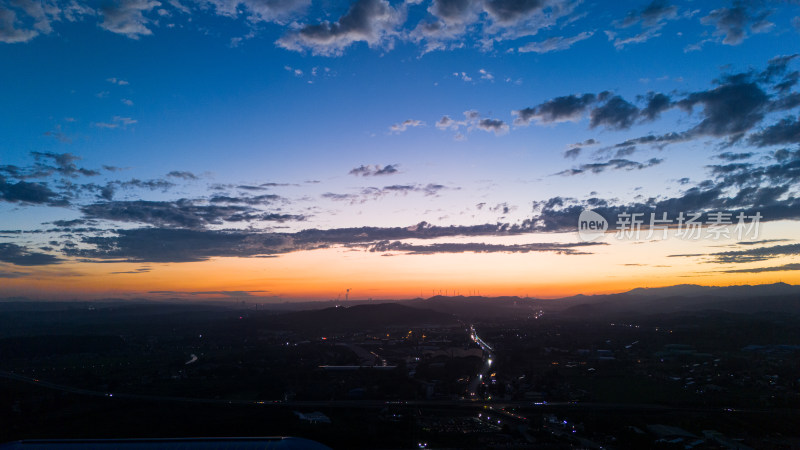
617,113
108,191
27,192
575,149
69,223
734,24
737,104
493,125
376,193
186,245
264,199
729,110
786,131
736,188
276,217
755,254
559,109
373,22
47,164
170,245
730,157
651,19
452,21
376,170
656,104
479,247
783,268
651,15
182,174
778,67
453,12
181,213
133,272
21,256
613,164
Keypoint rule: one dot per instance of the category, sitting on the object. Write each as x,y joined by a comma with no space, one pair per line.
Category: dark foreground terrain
673,368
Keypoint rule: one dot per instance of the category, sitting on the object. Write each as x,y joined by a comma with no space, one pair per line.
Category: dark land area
679,367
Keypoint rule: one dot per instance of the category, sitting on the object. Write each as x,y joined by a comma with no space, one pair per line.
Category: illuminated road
483,373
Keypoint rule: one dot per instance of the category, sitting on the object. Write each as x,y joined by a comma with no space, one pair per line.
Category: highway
483,373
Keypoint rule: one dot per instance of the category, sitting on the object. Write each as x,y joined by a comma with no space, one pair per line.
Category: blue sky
372,113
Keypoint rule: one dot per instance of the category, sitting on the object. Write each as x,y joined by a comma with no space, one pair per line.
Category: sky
279,150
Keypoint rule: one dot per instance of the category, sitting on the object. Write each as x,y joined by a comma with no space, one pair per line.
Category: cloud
786,131
62,163
458,23
478,247
729,110
455,12
733,107
376,170
27,192
21,256
575,149
783,268
568,108
263,199
728,156
375,193
554,44
9,31
14,274
187,245
653,14
116,122
651,20
734,24
531,14
616,113
446,123
656,104
404,125
107,192
254,11
473,120
493,125
23,20
736,188
181,213
614,164
755,254
117,81
371,21
182,174
128,17
135,271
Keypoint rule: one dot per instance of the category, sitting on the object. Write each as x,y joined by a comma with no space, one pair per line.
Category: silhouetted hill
779,297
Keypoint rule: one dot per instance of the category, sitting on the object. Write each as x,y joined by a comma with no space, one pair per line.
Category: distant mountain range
443,310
